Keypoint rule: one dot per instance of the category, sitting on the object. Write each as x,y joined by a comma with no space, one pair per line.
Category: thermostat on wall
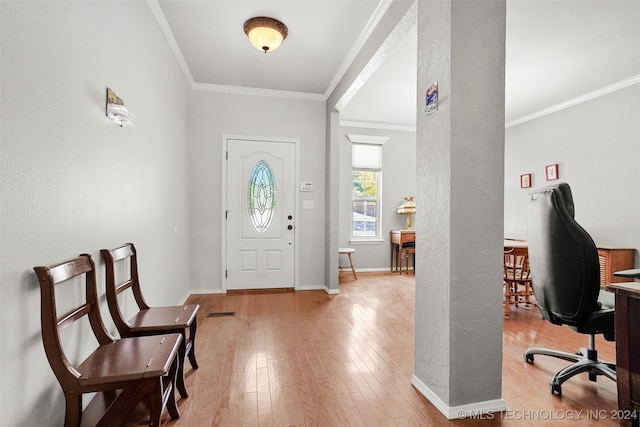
306,186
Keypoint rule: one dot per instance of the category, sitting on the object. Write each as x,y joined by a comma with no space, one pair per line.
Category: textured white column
459,224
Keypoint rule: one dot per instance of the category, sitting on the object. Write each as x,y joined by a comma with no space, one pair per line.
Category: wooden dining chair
406,251
517,280
130,379
148,320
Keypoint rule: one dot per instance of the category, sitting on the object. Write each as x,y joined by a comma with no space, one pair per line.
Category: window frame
373,167
378,203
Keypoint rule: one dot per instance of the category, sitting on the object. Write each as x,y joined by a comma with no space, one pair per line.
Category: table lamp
408,208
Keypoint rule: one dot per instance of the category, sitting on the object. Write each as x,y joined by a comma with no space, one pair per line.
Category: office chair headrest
568,197
565,198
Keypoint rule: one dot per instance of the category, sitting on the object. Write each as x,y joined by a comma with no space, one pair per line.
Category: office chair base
586,360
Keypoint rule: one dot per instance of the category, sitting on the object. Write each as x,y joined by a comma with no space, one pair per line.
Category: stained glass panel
261,196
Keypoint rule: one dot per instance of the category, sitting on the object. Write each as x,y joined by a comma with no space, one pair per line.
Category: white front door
260,213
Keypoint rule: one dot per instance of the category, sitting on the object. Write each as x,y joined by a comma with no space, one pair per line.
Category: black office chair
565,274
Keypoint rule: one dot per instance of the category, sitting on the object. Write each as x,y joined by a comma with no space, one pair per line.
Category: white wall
398,181
596,145
72,181
216,114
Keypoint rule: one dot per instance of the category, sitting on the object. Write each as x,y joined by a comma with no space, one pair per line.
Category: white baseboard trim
198,292
461,411
206,291
219,291
347,269
310,288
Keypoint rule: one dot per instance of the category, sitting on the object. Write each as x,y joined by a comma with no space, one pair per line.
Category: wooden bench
133,378
148,320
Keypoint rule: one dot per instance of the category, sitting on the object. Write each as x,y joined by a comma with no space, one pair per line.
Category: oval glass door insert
261,196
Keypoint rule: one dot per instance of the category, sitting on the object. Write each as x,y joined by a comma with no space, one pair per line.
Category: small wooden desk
613,260
398,239
627,350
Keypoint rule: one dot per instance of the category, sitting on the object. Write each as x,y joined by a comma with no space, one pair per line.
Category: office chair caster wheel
528,358
556,389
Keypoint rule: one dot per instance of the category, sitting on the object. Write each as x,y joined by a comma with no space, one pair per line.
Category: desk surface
629,289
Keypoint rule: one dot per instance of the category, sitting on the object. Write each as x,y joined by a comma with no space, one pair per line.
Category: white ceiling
557,50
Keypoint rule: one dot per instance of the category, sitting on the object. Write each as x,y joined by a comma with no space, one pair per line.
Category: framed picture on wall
552,172
525,180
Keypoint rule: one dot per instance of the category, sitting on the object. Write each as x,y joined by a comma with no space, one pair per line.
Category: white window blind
366,156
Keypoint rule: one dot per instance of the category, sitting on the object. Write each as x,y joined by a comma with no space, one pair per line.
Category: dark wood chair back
52,324
148,320
121,372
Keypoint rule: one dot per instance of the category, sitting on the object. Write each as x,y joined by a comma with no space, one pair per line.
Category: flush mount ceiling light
265,33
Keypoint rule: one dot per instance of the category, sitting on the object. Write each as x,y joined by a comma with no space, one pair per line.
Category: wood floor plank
265,398
309,359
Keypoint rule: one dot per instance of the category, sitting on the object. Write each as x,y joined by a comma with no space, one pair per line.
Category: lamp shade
408,208
265,33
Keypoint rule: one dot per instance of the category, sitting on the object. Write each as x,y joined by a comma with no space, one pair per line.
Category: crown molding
575,101
171,40
252,91
381,9
371,125
177,52
367,139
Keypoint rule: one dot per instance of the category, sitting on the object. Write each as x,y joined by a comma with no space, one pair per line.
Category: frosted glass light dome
265,33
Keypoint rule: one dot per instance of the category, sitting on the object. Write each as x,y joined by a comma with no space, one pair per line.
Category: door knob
289,227
290,217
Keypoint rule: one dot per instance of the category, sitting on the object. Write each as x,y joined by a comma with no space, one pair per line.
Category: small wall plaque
116,110
431,99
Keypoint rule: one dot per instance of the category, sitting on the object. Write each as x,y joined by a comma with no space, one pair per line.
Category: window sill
366,241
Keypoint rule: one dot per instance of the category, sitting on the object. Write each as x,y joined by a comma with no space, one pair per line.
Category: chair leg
172,407
507,299
192,351
73,410
182,352
353,269
586,360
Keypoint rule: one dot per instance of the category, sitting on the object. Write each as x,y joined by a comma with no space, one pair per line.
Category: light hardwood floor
312,359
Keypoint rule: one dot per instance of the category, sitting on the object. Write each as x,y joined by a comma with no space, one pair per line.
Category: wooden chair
133,378
348,252
517,280
148,320
406,251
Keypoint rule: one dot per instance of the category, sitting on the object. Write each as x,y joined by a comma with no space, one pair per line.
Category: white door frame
223,204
